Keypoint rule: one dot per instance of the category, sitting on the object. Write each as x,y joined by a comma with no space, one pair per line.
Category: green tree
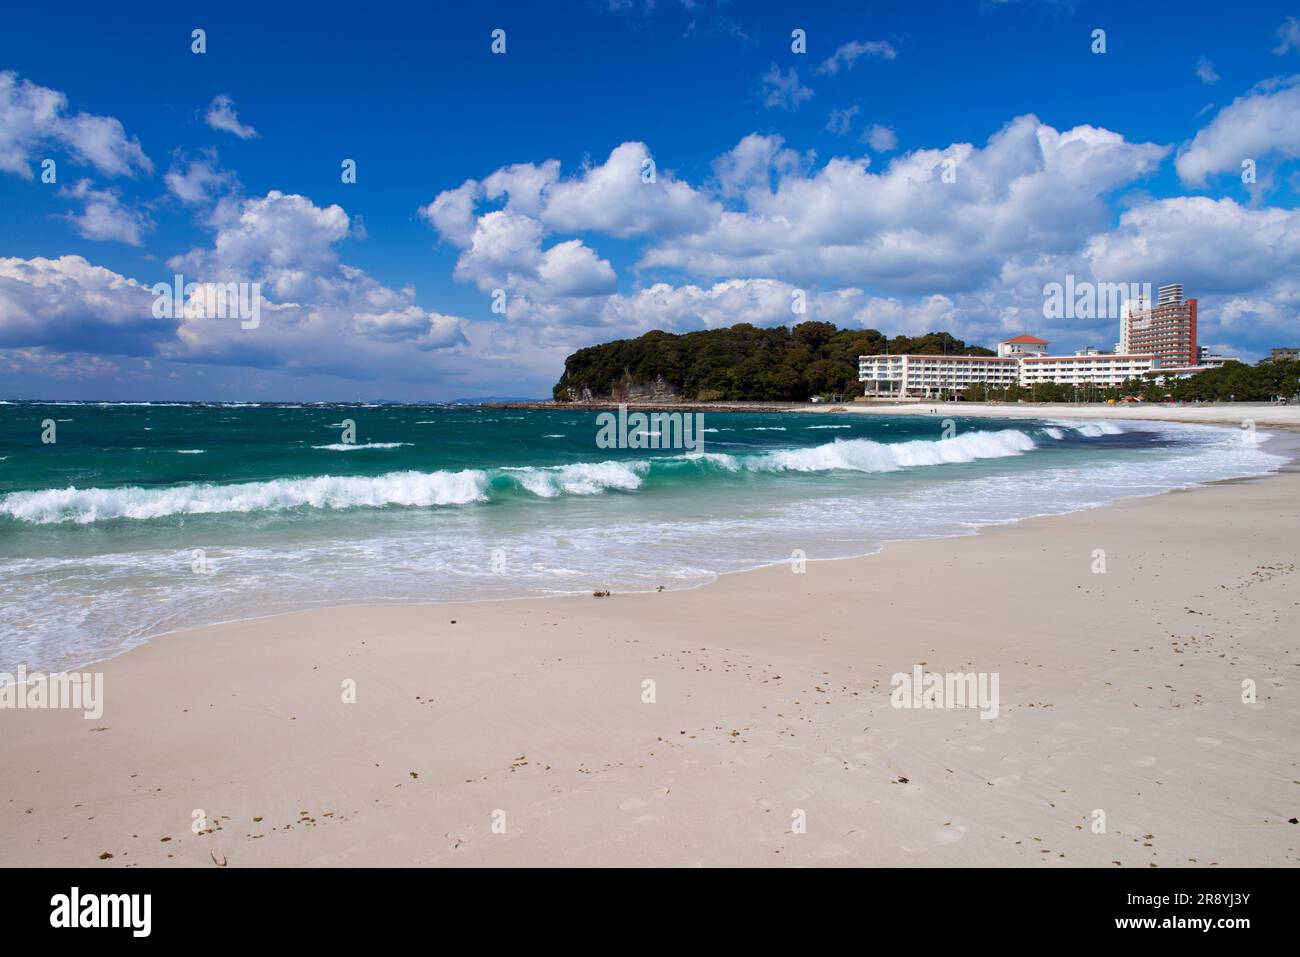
741,362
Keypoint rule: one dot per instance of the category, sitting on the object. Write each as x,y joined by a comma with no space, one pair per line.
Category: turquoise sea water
144,518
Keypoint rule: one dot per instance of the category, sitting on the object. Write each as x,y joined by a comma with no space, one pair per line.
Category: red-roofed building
1025,345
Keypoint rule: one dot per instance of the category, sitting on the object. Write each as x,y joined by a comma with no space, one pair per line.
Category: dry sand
1119,692
1260,414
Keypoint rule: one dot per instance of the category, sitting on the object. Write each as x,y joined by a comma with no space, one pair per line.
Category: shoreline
772,697
1264,414
1283,445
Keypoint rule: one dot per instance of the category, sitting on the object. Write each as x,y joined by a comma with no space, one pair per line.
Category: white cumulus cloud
221,115
104,216
1261,124
35,118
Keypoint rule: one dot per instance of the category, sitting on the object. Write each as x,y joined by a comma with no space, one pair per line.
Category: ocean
143,518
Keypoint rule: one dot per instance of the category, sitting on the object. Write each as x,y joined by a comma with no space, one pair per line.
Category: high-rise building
1166,329
1129,309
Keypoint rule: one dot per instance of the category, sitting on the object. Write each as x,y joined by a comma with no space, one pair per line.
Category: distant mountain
494,398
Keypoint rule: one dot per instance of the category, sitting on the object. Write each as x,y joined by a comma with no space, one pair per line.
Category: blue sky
775,172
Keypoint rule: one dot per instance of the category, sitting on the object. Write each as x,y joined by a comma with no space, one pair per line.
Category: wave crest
1089,429
581,478
84,506
864,455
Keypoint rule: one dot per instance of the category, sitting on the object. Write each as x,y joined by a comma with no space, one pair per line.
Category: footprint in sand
1145,761
827,851
948,835
636,803
938,837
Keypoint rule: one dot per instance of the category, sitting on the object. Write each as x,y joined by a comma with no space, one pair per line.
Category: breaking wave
581,478
1091,430
469,486
864,455
326,491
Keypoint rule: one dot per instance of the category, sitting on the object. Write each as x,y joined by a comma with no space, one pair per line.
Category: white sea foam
581,478
1095,430
84,506
728,462
352,447
863,455
1054,433
109,405
1091,430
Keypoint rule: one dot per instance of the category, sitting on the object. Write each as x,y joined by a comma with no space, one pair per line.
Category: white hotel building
1020,361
